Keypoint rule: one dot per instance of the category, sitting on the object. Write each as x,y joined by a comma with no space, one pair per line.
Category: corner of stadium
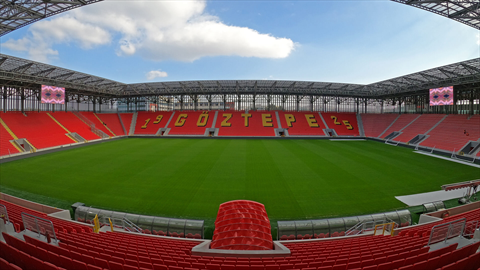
238,174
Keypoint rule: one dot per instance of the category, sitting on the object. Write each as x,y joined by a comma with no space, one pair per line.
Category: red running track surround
255,123
127,121
113,122
191,123
148,123
6,147
345,124
420,126
302,123
242,225
375,124
74,124
449,134
38,128
401,122
98,123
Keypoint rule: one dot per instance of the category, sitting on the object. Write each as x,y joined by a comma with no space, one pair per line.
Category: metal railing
369,225
126,224
4,213
470,228
445,231
39,225
95,130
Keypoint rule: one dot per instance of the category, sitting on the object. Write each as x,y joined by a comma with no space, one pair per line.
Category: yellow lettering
246,116
202,120
225,120
159,118
335,120
267,120
312,122
146,123
181,120
347,124
289,118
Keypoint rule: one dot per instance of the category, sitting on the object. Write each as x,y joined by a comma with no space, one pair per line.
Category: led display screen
441,96
53,94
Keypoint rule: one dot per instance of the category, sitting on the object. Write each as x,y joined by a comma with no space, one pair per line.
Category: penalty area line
449,159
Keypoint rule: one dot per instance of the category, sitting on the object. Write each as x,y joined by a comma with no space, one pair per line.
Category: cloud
155,30
156,74
478,39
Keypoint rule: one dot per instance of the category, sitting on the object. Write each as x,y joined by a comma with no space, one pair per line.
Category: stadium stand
127,120
420,126
345,124
38,128
255,123
98,123
148,123
191,123
113,122
302,123
449,134
401,122
6,147
74,124
375,124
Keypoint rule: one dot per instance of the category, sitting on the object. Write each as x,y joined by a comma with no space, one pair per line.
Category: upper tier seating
345,124
74,124
302,123
449,134
420,126
127,120
191,123
113,122
150,122
255,123
375,124
38,128
401,122
6,147
98,123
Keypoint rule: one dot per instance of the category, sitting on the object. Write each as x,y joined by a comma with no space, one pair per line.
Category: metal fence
446,231
39,225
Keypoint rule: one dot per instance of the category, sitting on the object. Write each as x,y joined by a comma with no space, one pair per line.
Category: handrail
48,225
451,231
4,213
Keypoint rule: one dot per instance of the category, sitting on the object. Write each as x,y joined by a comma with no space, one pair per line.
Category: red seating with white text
253,123
98,123
375,124
345,124
191,122
302,123
74,124
38,128
419,126
113,122
150,122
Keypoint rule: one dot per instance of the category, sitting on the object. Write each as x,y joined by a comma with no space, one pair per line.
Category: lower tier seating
302,123
375,124
345,124
400,123
253,123
127,121
191,122
112,121
420,126
98,123
148,123
6,147
74,124
38,128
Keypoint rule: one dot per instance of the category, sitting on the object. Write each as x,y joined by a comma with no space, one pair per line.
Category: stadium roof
15,14
16,71
464,11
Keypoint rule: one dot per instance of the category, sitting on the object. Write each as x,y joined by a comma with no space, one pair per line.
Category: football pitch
190,178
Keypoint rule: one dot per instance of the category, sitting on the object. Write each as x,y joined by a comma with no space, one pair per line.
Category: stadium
238,174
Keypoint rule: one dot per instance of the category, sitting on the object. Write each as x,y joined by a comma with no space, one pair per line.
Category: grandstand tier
402,121
127,121
75,124
38,128
99,124
191,123
345,124
420,126
148,123
112,121
302,123
375,124
253,123
6,147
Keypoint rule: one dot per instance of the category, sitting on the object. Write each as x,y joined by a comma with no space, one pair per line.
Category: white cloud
156,74
156,30
478,39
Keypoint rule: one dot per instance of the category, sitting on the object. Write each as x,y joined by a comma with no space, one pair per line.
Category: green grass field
189,178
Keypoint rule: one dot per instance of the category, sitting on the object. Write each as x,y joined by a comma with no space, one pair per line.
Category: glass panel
336,225
103,216
350,222
393,216
365,218
304,229
81,213
145,222
117,218
321,227
91,215
132,218
194,229
405,218
160,226
439,205
429,207
378,218
176,227
286,229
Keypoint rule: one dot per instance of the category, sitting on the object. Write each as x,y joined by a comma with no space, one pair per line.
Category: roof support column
78,102
209,99
94,101
66,103
22,99
365,100
471,101
254,97
4,89
224,101
269,99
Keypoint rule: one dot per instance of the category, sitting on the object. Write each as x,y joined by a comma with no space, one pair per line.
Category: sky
353,41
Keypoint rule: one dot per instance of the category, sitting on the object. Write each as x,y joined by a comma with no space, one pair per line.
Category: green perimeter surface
190,178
